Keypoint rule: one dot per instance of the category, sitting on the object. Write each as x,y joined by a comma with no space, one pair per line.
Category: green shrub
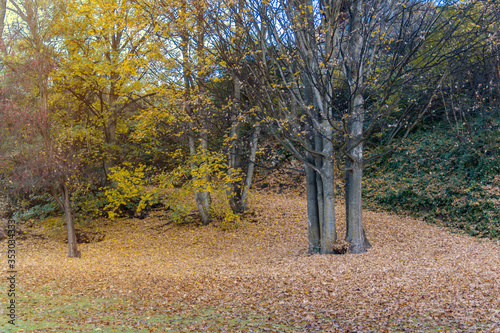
36,207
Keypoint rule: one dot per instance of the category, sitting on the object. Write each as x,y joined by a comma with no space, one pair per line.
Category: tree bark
70,225
353,62
113,114
320,195
202,198
318,161
496,69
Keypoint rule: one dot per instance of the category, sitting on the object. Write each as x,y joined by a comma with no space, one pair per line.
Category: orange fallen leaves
415,277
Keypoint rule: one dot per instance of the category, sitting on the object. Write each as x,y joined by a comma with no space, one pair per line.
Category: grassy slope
147,276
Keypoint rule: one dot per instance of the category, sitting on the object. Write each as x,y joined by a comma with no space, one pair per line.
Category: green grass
47,311
44,311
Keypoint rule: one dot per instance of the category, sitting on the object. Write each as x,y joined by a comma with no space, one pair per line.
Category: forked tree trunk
204,203
321,207
111,124
202,198
321,197
239,189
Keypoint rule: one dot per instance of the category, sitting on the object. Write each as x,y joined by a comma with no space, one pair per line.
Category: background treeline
112,108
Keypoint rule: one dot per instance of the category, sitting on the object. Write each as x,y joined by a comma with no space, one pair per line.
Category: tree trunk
202,198
204,203
235,190
496,71
328,228
65,203
312,211
110,135
251,166
355,234
70,225
318,161
3,10
112,122
320,213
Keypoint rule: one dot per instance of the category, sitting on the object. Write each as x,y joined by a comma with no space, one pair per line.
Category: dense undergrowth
443,178
435,174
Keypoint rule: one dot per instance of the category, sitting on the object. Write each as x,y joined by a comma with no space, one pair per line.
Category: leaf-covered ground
149,276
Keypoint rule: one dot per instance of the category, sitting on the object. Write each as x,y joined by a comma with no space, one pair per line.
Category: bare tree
231,46
332,76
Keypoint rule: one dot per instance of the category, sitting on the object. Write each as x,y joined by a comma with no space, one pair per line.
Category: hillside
435,176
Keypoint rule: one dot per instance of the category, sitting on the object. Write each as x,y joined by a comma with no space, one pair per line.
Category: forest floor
152,276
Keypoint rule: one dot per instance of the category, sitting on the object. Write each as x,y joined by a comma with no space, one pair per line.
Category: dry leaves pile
416,277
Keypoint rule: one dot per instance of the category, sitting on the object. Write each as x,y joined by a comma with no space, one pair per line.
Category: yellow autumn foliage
128,190
205,171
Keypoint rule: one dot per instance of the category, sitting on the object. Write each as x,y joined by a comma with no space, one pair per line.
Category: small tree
37,148
32,162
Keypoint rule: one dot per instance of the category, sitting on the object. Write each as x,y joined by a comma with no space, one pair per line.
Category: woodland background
106,104
230,140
